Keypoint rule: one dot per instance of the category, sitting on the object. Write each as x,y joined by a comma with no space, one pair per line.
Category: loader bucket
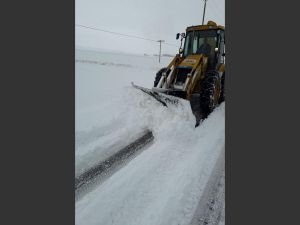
160,97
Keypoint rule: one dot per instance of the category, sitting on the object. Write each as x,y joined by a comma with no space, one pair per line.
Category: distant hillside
164,55
168,55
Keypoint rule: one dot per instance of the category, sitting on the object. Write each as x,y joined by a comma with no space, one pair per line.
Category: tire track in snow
122,156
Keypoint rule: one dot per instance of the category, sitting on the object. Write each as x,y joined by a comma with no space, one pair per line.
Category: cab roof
209,26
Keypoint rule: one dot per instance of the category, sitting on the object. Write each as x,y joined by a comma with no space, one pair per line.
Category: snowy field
106,114
165,183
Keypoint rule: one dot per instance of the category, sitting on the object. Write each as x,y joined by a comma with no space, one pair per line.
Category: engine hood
191,61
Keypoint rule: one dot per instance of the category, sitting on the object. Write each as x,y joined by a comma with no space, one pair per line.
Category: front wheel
210,92
222,95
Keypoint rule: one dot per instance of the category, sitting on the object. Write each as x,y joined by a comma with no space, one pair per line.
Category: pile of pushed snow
145,111
174,121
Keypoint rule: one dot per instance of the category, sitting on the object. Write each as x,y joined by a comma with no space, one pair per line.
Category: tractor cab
208,40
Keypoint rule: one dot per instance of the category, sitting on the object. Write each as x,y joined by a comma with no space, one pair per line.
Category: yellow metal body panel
198,64
191,61
209,26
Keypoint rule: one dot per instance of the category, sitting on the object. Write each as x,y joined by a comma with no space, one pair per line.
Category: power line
111,32
121,34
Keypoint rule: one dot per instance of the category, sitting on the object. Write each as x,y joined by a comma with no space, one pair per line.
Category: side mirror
177,36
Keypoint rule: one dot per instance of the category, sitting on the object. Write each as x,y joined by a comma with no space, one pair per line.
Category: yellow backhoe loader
197,72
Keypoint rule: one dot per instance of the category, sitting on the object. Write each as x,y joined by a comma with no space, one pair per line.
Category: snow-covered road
165,183
162,185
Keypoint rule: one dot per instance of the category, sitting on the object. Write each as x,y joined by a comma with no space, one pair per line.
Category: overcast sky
152,19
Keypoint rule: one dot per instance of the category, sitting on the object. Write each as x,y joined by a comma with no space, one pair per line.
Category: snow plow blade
162,98
167,97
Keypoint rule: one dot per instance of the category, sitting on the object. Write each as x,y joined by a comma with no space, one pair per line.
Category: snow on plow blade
164,99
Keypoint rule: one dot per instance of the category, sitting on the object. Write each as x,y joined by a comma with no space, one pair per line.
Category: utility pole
204,11
160,41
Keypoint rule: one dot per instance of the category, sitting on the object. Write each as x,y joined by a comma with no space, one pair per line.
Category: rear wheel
158,76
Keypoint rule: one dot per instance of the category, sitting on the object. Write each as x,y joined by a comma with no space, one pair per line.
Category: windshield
200,42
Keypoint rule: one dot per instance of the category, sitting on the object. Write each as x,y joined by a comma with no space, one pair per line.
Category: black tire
210,92
158,76
222,95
